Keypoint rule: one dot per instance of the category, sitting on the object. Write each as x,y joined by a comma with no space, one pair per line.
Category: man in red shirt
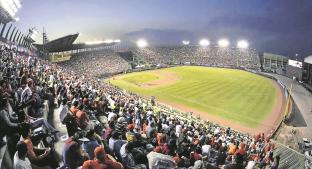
74,109
241,149
102,161
82,119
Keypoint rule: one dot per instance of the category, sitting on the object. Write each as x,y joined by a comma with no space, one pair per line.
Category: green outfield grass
234,95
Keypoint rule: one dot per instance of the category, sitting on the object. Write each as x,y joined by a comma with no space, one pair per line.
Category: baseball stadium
153,99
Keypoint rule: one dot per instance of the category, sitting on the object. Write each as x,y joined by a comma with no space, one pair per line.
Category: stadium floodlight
223,43
6,6
10,6
100,42
108,41
185,42
242,44
141,43
204,42
94,42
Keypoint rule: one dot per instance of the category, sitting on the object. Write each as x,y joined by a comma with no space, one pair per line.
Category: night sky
276,26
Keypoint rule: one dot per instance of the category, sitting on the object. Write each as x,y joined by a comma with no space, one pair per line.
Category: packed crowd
208,56
108,127
96,63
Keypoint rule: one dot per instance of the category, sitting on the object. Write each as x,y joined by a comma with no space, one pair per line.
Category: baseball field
231,97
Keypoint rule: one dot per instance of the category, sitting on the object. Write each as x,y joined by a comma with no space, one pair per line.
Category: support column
2,31
20,40
14,39
7,34
12,33
24,40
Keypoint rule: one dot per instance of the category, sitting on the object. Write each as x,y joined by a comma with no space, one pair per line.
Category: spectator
90,145
275,162
73,156
37,156
238,164
102,161
20,159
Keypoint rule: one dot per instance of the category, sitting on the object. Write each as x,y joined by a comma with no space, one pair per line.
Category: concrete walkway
303,100
62,135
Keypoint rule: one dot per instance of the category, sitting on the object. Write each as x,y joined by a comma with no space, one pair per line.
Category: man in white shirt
26,93
112,140
178,129
64,109
111,116
29,61
20,160
206,150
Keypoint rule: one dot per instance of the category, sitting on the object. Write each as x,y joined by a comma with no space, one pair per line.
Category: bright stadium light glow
185,42
204,42
94,42
108,41
10,6
141,43
223,43
242,44
100,42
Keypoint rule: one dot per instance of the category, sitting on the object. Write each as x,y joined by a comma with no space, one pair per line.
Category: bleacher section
208,56
96,64
290,159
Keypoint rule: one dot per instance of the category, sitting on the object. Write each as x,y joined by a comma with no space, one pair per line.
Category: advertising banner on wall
295,63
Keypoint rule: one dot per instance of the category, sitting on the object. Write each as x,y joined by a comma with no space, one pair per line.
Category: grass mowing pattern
235,95
140,78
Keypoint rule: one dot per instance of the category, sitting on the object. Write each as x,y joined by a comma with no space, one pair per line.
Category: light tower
223,43
204,42
242,44
141,43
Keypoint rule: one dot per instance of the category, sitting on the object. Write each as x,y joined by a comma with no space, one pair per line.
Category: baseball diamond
227,95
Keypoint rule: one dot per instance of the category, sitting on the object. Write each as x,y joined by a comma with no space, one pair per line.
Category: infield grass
235,95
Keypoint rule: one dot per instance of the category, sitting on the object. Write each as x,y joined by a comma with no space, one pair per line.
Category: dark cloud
283,27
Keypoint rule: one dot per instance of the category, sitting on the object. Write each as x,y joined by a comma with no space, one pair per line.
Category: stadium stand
275,63
208,56
122,129
96,63
292,71
290,159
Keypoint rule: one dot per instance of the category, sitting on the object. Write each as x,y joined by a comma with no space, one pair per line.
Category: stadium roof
66,43
4,16
8,10
58,45
308,59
